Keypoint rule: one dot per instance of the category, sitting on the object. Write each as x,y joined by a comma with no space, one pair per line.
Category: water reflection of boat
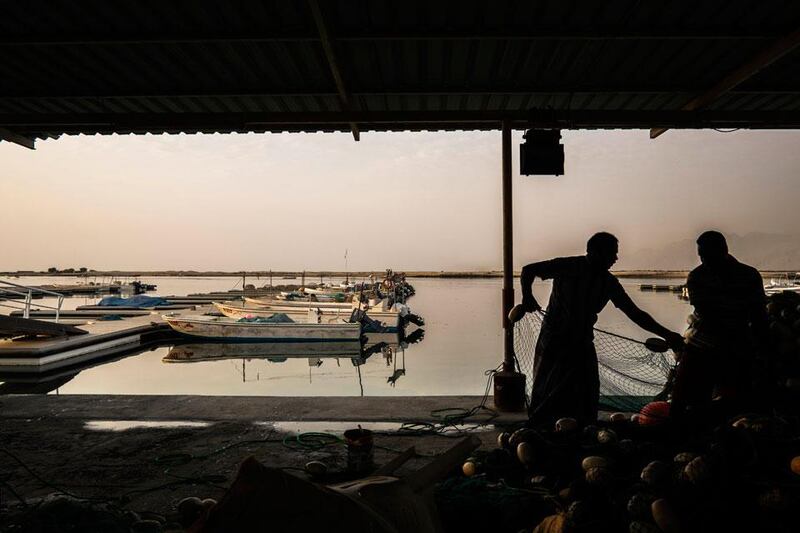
277,351
34,384
233,330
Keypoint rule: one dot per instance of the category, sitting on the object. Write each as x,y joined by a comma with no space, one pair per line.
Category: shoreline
310,275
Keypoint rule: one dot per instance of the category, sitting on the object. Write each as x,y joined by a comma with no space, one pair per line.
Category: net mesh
631,375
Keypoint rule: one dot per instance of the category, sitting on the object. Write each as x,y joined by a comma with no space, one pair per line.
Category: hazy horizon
410,201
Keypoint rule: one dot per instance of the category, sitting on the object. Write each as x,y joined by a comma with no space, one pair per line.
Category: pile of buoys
624,475
784,328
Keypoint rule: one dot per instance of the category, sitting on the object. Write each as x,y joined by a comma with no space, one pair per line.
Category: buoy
665,517
683,458
639,506
190,510
503,439
618,418
626,446
566,424
594,461
316,468
598,476
521,435
607,436
590,432
516,313
551,524
538,480
697,470
525,453
208,503
654,413
639,526
655,473
795,465
469,468
741,423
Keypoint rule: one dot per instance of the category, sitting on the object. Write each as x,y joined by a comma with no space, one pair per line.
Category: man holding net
728,324
566,382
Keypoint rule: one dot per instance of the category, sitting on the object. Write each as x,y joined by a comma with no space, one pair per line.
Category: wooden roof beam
766,57
327,46
16,138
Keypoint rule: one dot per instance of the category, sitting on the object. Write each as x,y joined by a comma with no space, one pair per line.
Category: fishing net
630,374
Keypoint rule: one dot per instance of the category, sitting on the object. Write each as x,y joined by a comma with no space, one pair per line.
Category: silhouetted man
729,314
565,375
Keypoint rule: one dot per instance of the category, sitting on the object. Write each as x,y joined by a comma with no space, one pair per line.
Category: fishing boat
304,304
233,330
292,296
386,319
328,314
325,291
370,305
783,283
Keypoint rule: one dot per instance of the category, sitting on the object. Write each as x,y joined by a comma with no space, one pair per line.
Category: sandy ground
83,451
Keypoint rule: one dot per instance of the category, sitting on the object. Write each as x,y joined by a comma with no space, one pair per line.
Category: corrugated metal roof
93,66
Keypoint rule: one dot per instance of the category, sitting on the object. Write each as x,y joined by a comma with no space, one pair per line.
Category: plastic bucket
359,450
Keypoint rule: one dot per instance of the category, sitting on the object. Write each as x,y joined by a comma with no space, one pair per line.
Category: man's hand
530,305
675,341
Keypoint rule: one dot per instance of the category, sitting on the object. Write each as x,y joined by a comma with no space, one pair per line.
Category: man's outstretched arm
647,322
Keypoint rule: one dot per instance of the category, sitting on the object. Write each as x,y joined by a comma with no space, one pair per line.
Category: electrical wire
43,481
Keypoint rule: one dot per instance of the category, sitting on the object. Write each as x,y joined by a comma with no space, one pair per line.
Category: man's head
602,249
712,248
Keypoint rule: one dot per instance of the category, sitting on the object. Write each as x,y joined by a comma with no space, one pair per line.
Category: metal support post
509,385
508,253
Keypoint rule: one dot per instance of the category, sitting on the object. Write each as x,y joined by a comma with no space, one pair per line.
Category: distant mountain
765,251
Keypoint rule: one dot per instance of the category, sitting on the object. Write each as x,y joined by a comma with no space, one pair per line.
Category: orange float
654,413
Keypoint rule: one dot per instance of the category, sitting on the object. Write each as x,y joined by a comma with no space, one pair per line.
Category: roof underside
153,66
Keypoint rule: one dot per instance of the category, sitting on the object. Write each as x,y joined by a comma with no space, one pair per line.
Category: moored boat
389,318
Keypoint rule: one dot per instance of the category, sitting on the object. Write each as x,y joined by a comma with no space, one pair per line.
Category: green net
631,375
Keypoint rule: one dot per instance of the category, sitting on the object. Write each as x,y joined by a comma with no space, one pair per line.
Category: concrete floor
69,441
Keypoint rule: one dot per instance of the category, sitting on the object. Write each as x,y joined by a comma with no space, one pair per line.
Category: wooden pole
508,252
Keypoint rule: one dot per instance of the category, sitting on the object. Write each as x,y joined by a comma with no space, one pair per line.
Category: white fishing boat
320,315
783,283
304,304
234,330
303,297
324,291
370,305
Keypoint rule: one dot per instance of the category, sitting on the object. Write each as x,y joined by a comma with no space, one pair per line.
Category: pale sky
413,201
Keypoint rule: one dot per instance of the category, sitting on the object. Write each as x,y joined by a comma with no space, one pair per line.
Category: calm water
462,340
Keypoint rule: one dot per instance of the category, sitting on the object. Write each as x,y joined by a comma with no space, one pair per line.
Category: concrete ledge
256,408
